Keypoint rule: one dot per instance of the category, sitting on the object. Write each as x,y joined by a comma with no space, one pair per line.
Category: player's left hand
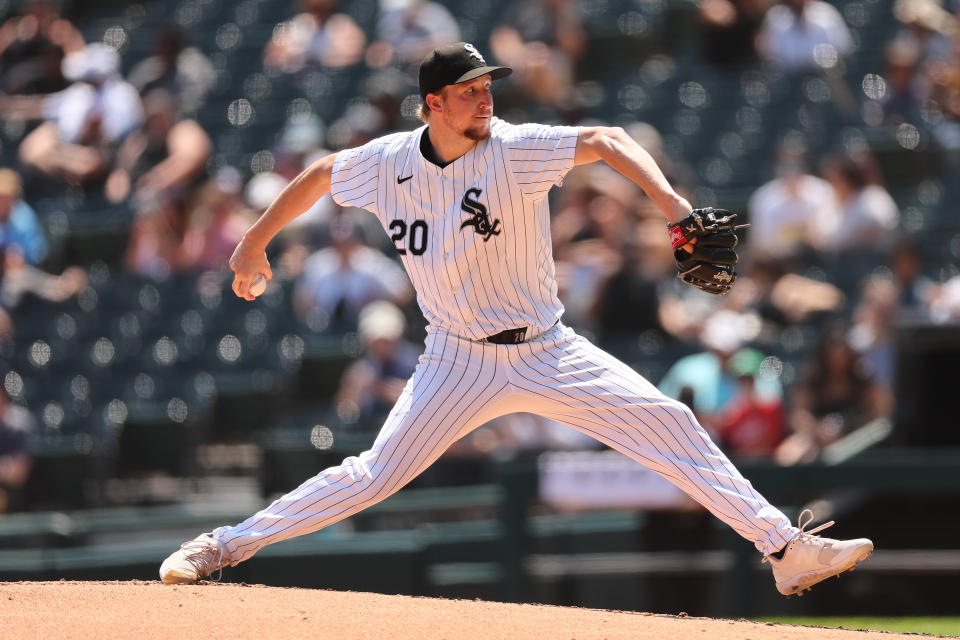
703,244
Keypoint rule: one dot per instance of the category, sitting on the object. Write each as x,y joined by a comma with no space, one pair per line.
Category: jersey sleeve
540,155
355,176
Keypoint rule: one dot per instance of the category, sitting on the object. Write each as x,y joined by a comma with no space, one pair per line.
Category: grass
947,626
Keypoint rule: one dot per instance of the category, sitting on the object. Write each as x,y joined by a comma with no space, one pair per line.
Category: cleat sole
174,577
798,591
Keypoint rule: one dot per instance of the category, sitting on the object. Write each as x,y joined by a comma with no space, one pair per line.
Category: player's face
468,107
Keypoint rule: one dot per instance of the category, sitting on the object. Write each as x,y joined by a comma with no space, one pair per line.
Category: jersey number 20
416,243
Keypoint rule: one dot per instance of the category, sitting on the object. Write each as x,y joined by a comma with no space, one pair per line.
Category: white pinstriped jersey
474,236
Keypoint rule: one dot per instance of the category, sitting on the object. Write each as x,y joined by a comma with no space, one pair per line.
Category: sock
779,554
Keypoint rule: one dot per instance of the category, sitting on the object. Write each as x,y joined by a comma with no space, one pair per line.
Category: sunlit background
144,403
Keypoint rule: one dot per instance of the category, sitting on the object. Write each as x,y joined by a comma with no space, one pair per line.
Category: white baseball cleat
808,559
194,560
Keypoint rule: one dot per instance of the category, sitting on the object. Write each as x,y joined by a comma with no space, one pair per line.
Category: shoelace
206,557
802,524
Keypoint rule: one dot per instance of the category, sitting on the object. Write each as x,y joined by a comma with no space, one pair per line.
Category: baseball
258,286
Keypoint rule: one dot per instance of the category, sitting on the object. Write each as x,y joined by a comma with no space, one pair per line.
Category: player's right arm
250,256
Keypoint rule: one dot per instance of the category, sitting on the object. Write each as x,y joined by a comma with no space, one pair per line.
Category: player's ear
434,102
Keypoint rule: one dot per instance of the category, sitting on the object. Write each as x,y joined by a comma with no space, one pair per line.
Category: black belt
510,336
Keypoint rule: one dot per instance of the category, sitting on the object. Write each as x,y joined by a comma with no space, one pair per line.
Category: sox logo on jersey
480,220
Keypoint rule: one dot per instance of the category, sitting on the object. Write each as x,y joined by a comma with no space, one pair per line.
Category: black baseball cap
452,64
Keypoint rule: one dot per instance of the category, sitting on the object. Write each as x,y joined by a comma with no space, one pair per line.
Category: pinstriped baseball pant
460,384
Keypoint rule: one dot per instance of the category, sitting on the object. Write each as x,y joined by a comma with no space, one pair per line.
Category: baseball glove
709,266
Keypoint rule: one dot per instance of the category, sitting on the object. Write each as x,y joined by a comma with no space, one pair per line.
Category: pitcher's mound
148,610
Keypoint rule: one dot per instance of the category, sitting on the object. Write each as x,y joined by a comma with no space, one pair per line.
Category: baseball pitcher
464,199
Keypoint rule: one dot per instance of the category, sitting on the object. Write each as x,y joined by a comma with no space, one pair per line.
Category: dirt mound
147,610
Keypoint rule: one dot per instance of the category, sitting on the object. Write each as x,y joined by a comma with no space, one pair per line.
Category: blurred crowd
800,355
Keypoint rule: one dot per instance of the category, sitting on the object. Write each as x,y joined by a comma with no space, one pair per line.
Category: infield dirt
150,610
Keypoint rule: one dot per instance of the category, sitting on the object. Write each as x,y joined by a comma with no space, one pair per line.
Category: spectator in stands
184,72
944,77
915,289
927,26
677,170
86,121
340,280
17,427
21,279
614,268
783,298
596,215
871,335
371,386
6,326
386,90
317,36
359,123
753,424
945,301
728,30
572,221
788,213
32,47
627,302
19,225
158,169
803,35
705,381
163,160
867,217
305,234
156,247
218,219
542,41
407,30
906,87
837,395
299,144
299,141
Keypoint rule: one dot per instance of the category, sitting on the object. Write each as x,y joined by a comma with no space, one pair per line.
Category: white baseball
258,286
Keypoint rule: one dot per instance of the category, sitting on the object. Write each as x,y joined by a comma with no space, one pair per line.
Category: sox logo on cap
473,52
